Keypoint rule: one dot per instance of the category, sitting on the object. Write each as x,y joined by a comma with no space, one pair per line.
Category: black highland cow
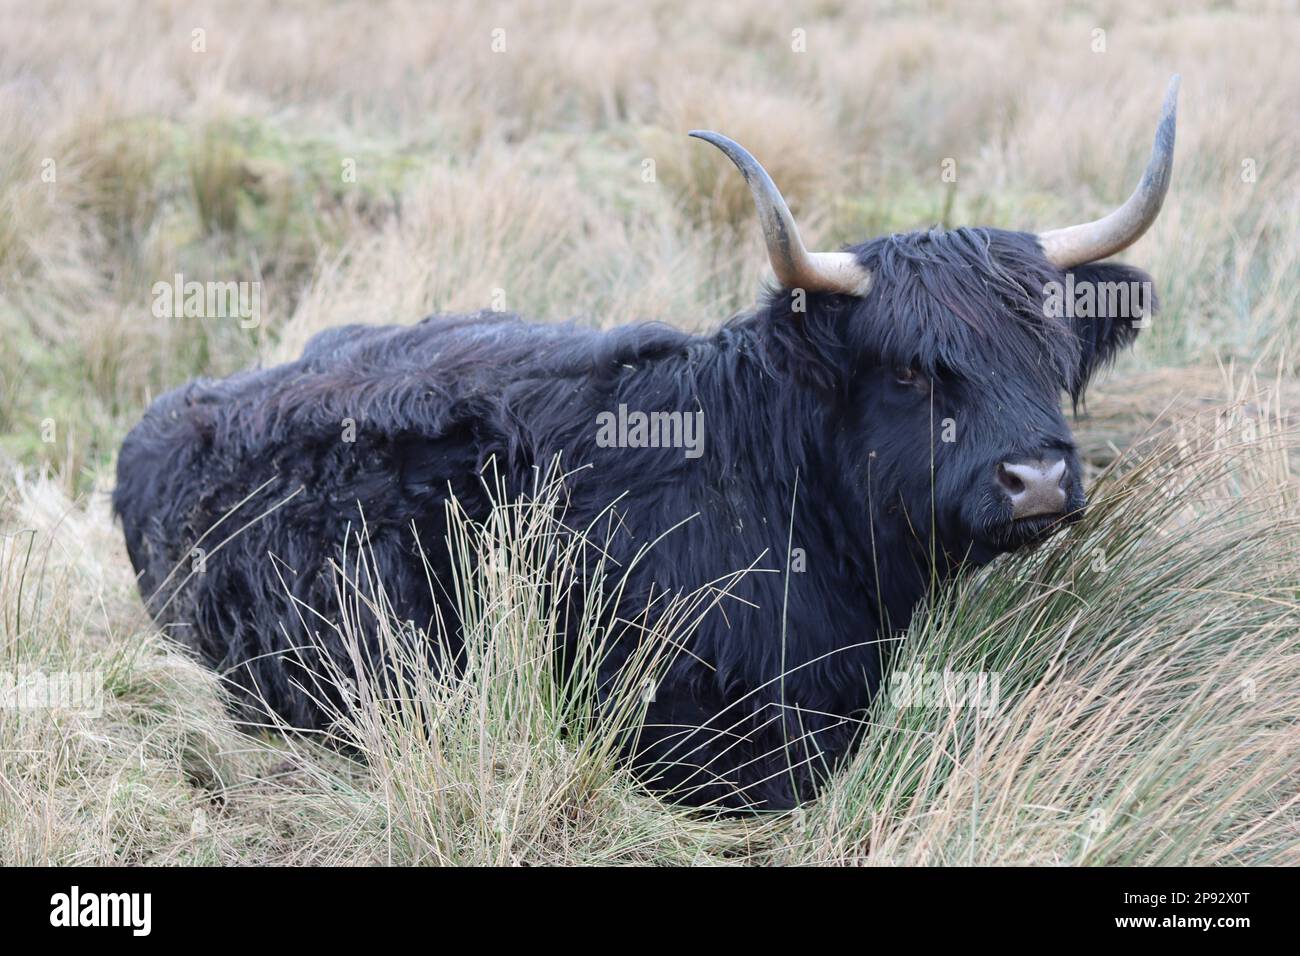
837,382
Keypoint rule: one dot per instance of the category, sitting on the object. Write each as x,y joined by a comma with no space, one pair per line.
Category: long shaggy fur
810,440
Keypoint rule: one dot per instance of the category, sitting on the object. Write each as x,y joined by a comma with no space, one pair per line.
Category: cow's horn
795,266
1075,245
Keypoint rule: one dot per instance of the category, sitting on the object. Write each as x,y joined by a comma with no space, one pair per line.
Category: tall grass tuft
513,754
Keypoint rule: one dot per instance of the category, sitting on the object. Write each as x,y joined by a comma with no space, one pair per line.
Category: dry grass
519,179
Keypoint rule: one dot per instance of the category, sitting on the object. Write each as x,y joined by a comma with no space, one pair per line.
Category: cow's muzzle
1035,488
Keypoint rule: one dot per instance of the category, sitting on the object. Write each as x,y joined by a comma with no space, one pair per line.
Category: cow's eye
908,377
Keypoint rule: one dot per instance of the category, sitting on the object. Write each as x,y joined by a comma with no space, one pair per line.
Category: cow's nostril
1034,488
1009,481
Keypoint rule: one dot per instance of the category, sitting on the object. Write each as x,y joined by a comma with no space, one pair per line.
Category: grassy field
375,162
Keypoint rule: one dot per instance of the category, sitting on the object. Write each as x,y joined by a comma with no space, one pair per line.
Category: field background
1166,732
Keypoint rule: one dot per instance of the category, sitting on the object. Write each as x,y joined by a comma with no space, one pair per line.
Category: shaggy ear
1111,303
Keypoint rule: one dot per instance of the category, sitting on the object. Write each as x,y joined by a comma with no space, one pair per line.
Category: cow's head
953,348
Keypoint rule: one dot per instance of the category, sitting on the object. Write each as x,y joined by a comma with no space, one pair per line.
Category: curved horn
795,266
1075,245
